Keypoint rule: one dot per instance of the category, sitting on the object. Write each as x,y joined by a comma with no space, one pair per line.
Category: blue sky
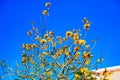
16,15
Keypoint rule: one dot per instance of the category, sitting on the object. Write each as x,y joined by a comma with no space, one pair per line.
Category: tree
53,57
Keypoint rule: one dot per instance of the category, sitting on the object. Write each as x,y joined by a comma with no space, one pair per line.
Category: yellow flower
75,36
53,44
84,70
87,62
64,50
67,53
86,26
76,41
24,59
43,41
47,4
76,55
49,39
43,53
34,45
68,33
46,35
77,48
29,33
27,46
45,12
87,47
58,53
86,55
82,42
77,76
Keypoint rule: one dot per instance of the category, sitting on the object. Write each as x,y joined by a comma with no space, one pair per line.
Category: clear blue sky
16,15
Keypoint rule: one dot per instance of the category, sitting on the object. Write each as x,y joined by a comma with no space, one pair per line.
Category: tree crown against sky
44,40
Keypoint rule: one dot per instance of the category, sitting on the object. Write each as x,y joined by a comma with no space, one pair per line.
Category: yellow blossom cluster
87,47
80,42
87,61
75,36
26,58
86,55
29,46
47,37
58,53
76,55
68,34
47,4
77,48
45,12
84,71
82,74
43,41
87,24
77,77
